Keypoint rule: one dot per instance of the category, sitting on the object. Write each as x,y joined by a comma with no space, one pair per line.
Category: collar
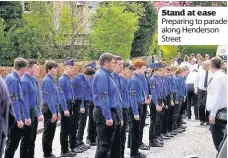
105,70
50,76
16,75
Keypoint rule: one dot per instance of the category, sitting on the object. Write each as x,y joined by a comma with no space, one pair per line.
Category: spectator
207,57
179,58
186,63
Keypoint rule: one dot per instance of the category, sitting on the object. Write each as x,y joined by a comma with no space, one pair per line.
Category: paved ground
195,141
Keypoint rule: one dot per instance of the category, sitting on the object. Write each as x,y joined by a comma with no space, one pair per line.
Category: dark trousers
74,123
134,134
82,122
217,131
49,131
123,130
191,101
153,131
170,113
108,136
14,136
65,129
29,137
176,116
160,116
142,115
92,133
203,113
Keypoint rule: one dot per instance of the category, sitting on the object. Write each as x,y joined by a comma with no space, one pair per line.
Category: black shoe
169,135
207,123
156,143
173,133
180,130
183,122
77,150
85,146
93,143
196,118
50,156
160,138
68,154
139,155
183,127
164,137
161,142
144,147
201,123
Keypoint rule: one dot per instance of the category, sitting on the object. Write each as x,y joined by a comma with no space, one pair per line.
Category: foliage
168,52
113,28
201,49
143,37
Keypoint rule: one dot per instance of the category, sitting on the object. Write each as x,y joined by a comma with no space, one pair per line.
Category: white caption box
175,29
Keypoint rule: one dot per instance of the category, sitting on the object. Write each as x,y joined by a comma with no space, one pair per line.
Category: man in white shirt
191,96
216,99
200,90
198,65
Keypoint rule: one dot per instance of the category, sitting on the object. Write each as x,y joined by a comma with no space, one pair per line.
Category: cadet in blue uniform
178,100
167,103
65,87
21,111
169,99
143,112
108,110
137,98
79,89
91,130
155,106
50,109
125,75
7,114
31,93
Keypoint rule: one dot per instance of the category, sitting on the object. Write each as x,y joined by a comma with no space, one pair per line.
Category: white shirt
195,66
217,93
186,64
192,78
201,78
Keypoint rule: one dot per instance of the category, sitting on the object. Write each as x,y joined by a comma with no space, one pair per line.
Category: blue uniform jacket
14,86
65,85
155,88
105,93
88,92
79,88
50,94
31,93
145,85
125,92
178,87
136,93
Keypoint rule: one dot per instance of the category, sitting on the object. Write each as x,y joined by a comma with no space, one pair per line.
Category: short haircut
132,68
20,63
216,62
31,62
126,64
186,58
179,70
89,71
49,64
138,63
106,57
118,58
192,54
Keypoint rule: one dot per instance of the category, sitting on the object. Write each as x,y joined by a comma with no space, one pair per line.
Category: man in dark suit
6,114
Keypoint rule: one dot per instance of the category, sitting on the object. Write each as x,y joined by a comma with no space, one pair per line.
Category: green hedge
169,51
200,49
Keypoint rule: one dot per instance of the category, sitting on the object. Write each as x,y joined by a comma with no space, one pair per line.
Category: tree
34,39
143,37
11,12
113,28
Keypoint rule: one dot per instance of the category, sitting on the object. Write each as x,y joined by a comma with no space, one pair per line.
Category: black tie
205,81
